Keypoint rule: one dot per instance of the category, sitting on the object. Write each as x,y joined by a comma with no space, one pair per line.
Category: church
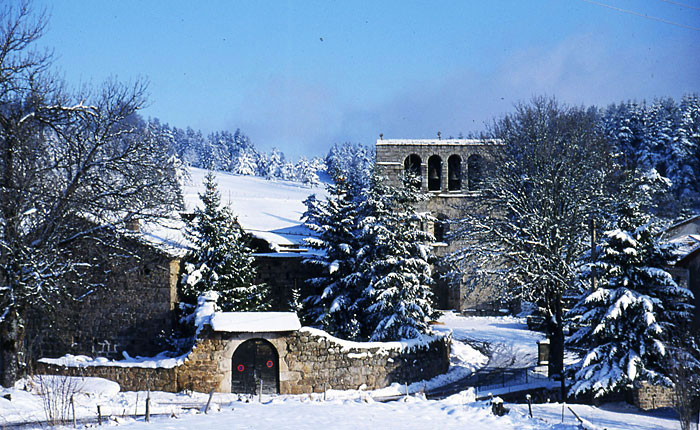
451,171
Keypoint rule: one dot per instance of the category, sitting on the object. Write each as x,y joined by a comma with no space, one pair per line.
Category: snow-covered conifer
625,323
334,305
376,261
221,260
245,163
306,172
394,261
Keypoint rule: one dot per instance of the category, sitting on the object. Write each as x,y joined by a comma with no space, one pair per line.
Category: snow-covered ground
346,409
354,410
507,338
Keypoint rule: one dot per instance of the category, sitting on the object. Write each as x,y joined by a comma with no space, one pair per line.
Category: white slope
270,210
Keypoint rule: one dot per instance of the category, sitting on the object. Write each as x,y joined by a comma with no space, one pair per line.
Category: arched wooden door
255,360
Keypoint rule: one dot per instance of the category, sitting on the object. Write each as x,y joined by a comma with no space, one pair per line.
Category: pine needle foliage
221,260
627,321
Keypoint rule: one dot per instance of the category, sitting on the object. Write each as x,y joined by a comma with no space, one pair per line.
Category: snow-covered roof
444,142
686,245
254,322
269,210
678,227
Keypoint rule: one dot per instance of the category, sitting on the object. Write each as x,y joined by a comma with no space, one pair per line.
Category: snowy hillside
269,210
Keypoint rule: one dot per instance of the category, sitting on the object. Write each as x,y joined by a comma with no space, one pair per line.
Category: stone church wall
445,204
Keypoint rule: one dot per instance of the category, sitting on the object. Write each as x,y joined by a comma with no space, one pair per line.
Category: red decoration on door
270,363
240,367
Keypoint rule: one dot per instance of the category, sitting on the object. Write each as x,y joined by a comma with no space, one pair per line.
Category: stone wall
128,378
647,396
309,361
316,360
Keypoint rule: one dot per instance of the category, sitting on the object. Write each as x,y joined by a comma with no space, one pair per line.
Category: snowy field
341,410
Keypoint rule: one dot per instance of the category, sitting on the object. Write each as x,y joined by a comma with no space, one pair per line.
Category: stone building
133,305
128,302
451,172
685,235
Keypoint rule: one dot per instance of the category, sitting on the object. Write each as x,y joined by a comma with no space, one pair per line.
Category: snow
270,210
255,322
351,409
356,411
685,245
206,308
86,385
509,339
159,361
260,205
347,345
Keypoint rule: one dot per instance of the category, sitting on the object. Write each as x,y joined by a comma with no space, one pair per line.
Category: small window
440,228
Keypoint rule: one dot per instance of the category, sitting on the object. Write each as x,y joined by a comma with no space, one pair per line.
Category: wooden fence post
148,406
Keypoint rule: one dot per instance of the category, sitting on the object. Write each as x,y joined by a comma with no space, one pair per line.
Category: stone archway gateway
255,361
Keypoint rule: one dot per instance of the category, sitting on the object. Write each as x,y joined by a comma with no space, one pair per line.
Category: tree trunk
555,331
11,348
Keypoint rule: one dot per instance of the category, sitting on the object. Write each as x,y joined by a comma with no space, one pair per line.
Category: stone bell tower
451,172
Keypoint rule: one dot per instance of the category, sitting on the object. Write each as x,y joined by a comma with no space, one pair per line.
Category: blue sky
302,75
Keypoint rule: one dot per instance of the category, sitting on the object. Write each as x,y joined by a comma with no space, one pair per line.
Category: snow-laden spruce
625,325
395,260
221,260
335,304
376,263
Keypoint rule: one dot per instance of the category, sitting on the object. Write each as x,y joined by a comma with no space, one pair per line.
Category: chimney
133,225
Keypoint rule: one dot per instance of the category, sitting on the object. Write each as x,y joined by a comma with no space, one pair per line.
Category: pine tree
395,261
376,261
334,306
626,322
306,172
221,260
245,163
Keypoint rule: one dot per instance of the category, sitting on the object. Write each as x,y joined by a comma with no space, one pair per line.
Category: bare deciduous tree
545,182
73,167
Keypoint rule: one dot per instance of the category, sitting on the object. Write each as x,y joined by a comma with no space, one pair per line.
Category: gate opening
255,361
